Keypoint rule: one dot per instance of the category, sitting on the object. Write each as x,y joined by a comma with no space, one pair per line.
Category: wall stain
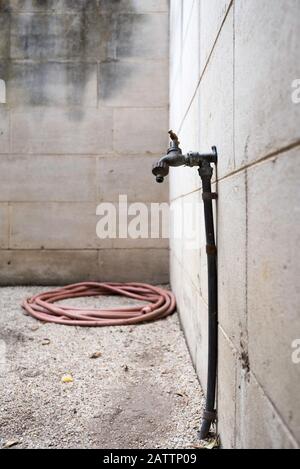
244,357
52,53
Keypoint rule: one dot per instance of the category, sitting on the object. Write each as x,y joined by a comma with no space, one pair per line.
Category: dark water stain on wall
50,50
5,15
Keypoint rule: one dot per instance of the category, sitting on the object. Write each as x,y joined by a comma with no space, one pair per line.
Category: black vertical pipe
209,415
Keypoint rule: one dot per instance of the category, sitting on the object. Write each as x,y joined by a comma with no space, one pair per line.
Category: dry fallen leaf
10,443
212,443
67,379
96,355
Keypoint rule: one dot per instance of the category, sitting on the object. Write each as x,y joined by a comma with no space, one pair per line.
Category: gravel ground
141,392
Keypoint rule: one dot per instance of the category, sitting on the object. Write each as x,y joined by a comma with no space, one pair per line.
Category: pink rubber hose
161,303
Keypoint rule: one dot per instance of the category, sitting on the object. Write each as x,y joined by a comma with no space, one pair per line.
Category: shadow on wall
51,51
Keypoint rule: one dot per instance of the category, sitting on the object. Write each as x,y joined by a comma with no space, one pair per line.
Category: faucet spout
174,157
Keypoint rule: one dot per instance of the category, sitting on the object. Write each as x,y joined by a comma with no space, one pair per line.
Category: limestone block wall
233,66
86,114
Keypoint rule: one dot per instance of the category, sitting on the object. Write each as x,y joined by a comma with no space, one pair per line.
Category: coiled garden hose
161,303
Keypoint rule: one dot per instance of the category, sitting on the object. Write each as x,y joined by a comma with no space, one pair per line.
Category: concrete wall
232,68
86,114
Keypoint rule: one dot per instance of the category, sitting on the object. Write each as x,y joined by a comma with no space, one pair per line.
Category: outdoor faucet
174,157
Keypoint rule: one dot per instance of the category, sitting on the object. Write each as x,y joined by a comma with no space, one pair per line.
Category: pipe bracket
211,416
211,250
209,196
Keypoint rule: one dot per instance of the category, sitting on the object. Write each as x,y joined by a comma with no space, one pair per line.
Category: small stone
46,341
10,443
96,355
